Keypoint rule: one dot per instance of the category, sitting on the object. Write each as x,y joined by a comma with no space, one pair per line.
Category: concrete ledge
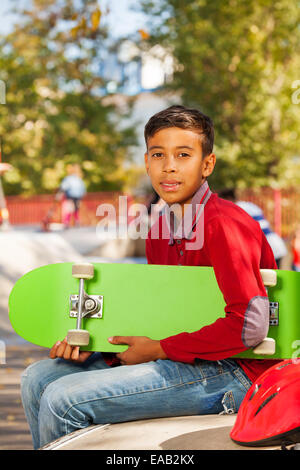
207,432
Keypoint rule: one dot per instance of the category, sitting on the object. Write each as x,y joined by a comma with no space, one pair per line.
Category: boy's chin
176,198
171,199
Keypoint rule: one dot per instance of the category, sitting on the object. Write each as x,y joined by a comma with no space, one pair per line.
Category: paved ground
14,431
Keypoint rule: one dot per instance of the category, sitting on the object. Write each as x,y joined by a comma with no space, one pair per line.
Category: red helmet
270,412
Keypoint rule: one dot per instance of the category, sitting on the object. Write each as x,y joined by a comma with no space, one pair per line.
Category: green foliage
236,60
55,112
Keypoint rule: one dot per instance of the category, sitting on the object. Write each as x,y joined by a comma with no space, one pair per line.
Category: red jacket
232,243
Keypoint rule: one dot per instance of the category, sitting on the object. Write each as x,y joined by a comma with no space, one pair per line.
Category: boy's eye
183,154
157,154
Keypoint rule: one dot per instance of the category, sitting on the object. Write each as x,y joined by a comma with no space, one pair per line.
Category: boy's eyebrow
178,147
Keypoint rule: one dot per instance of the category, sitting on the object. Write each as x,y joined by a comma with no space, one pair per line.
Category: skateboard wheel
78,337
83,270
269,277
267,346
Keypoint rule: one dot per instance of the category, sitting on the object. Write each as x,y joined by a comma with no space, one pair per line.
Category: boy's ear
146,162
209,164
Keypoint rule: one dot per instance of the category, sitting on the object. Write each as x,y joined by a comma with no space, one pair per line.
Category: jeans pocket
228,403
233,398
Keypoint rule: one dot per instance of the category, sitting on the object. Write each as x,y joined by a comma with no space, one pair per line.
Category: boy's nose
169,164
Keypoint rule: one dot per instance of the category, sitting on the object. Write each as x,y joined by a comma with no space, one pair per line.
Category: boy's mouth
170,185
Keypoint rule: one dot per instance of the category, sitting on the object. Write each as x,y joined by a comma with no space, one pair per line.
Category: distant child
71,191
275,241
189,373
296,251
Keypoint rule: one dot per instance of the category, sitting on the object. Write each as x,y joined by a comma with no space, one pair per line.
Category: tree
237,61
55,110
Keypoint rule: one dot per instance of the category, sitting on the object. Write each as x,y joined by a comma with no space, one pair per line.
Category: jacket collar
183,228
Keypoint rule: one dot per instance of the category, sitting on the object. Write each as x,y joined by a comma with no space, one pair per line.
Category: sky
6,21
122,19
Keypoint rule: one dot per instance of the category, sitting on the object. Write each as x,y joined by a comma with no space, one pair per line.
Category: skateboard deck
140,300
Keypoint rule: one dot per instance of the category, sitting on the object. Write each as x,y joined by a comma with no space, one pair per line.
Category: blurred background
78,81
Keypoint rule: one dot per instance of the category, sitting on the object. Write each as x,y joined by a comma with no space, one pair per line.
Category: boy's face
175,164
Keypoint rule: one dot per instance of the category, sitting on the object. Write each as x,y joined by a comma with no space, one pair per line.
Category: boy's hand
141,349
70,353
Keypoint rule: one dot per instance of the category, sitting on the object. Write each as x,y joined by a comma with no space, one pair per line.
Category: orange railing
33,210
281,207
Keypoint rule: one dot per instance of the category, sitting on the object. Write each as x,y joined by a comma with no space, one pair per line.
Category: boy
189,373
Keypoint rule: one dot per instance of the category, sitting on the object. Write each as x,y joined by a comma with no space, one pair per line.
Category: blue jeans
60,397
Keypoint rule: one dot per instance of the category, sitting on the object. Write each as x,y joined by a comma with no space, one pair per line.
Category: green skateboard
89,303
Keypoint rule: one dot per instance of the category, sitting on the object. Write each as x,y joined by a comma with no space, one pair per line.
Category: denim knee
53,400
32,380
31,374
57,402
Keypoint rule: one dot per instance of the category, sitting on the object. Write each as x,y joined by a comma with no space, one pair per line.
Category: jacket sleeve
235,254
149,248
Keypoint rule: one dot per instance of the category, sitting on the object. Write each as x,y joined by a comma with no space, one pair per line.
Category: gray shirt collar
183,228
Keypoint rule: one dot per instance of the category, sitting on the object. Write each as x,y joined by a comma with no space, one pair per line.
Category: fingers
83,356
62,349
121,340
53,350
120,357
74,353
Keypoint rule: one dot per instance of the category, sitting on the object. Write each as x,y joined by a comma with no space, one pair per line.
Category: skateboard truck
83,305
92,306
267,346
